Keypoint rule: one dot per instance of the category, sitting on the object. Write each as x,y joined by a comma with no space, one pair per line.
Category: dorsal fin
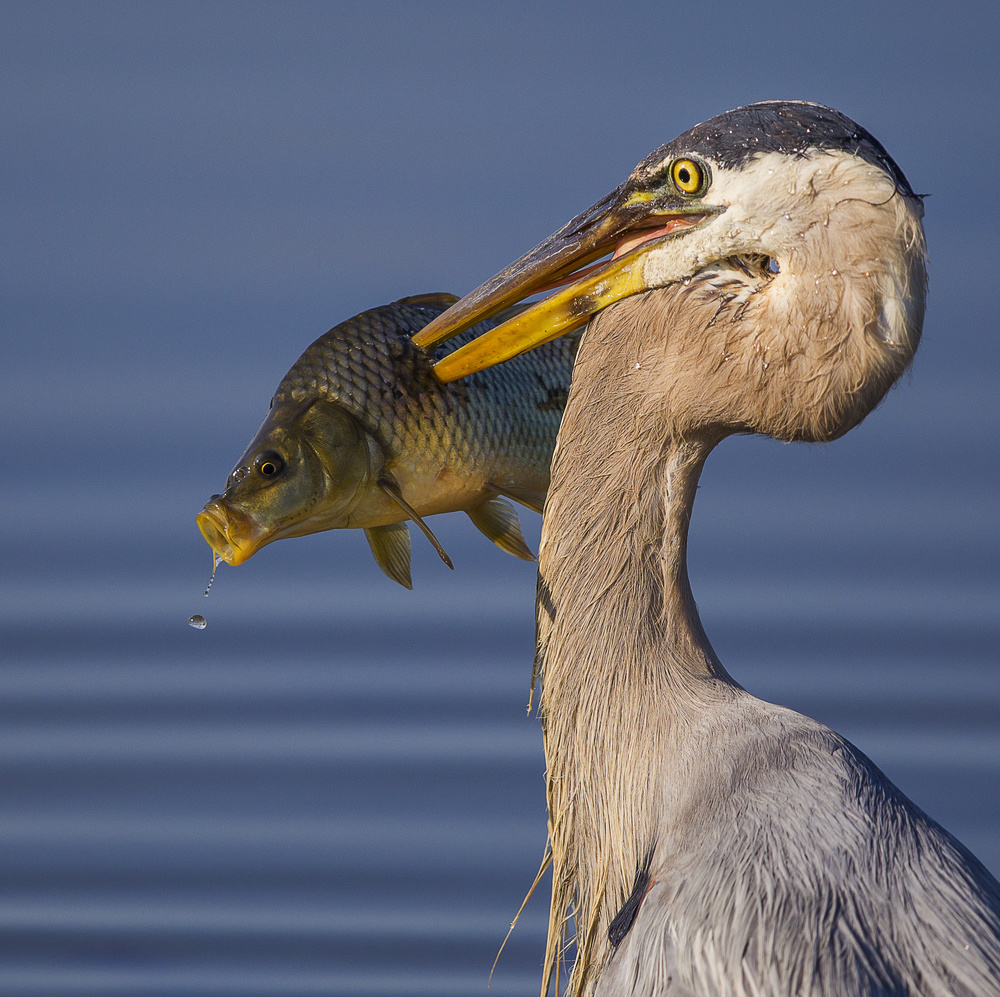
435,299
497,519
391,488
391,547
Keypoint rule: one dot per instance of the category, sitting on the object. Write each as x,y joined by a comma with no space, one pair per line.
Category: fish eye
269,463
689,177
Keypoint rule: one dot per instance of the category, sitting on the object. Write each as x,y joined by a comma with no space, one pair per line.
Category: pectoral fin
391,547
497,518
389,486
533,500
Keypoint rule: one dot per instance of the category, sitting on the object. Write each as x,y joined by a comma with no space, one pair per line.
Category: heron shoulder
797,867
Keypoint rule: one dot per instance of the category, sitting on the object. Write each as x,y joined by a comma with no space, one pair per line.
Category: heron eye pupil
688,176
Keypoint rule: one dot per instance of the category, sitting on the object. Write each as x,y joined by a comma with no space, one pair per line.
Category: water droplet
834,273
686,281
215,566
198,622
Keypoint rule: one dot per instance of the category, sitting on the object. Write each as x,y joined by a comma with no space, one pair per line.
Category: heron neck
615,604
624,662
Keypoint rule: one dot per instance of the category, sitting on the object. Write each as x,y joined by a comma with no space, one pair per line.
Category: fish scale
369,366
413,445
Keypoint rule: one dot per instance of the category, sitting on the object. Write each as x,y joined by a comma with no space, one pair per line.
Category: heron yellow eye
269,463
688,176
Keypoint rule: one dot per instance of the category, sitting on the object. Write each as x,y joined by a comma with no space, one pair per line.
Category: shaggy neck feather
623,658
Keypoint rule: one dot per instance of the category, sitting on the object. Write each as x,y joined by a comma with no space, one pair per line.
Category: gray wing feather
646,961
813,876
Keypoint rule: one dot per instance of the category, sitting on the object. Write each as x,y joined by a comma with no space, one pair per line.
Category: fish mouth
627,223
230,534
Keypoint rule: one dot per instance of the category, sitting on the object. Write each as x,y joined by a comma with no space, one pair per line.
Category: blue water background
334,788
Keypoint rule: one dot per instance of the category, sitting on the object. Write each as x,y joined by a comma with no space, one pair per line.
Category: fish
360,434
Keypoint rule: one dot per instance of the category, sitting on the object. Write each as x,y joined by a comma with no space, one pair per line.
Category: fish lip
218,525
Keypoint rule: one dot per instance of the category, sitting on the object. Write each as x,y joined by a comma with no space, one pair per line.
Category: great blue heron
706,843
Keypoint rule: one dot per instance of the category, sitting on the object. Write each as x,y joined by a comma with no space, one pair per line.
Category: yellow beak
628,223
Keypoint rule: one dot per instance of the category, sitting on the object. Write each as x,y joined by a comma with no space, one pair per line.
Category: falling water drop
198,621
215,567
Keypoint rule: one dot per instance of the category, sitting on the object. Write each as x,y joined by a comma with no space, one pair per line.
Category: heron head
798,199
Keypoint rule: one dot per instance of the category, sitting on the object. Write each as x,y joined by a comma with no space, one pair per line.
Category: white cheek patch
784,207
676,261
664,265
